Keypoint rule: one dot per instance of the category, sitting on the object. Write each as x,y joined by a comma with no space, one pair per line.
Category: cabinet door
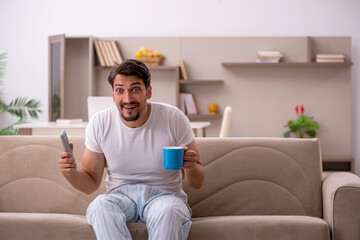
56,77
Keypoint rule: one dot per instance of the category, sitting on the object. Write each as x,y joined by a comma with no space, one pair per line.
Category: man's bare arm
88,178
193,170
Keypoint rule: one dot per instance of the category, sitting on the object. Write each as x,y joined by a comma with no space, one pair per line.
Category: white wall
25,26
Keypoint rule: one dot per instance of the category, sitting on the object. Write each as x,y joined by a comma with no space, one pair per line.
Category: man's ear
149,92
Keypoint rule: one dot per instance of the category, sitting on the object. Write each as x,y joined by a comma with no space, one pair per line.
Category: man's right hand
67,163
87,178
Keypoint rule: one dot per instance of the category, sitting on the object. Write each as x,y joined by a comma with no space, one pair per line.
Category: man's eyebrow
132,84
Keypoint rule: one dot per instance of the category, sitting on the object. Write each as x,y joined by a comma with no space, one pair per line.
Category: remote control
65,141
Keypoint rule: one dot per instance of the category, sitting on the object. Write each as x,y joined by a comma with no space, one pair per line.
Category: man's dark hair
131,67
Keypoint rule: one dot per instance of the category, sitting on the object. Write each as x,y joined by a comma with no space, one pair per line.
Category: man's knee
101,201
172,207
117,206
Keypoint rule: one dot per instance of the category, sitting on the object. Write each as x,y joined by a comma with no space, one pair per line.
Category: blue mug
173,158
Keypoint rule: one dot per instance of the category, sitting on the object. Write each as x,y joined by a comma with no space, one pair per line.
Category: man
128,140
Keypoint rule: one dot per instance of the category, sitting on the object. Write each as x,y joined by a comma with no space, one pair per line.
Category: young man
128,140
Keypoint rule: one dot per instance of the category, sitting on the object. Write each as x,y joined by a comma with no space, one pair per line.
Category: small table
52,128
199,128
338,163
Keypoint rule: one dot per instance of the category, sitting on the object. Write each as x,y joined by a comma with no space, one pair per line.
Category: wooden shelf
204,116
285,64
161,67
200,82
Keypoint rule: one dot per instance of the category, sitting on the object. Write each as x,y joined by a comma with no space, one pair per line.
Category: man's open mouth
129,106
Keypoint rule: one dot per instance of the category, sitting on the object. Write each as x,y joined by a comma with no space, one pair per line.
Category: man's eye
119,90
136,89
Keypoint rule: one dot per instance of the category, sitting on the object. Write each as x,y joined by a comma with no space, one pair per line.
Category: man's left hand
190,158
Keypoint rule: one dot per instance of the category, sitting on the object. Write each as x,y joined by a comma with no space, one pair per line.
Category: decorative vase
213,108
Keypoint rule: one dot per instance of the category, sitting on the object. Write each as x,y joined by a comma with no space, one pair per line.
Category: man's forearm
82,181
195,176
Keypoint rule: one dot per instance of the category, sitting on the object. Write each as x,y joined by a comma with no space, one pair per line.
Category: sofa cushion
44,226
259,228
47,226
68,226
258,176
31,180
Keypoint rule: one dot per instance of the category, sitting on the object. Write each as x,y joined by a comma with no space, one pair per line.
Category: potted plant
20,106
303,125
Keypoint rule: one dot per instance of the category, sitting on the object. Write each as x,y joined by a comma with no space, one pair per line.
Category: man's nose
127,97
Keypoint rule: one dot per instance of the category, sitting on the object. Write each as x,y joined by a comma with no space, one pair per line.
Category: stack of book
330,58
269,57
108,53
187,103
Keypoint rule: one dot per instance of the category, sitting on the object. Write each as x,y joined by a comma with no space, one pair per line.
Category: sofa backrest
31,180
258,176
244,176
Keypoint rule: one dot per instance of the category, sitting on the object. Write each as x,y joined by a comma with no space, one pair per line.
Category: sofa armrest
341,204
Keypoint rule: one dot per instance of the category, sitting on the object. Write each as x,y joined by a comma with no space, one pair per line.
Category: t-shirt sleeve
183,132
92,138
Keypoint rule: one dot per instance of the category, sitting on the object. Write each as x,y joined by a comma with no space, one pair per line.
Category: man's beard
131,118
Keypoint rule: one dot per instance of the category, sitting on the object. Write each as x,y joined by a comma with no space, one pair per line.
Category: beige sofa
255,188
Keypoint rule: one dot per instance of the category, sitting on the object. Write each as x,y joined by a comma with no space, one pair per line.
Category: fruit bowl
149,57
151,61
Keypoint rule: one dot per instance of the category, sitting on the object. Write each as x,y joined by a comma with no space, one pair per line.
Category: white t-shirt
134,155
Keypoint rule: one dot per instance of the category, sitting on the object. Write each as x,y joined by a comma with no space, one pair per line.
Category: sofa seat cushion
54,226
68,226
259,228
44,226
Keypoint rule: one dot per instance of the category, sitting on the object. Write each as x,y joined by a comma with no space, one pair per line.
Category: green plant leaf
303,120
20,107
294,128
313,125
311,133
10,130
23,108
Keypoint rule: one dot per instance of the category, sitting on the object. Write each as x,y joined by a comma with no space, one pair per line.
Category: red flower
299,109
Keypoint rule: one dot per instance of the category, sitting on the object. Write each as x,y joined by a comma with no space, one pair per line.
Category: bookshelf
185,86
223,70
306,57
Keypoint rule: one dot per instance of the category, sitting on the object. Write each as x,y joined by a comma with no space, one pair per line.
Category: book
193,104
187,103
337,56
68,120
334,60
117,52
99,53
120,53
104,50
269,58
183,70
182,103
112,53
270,54
267,61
